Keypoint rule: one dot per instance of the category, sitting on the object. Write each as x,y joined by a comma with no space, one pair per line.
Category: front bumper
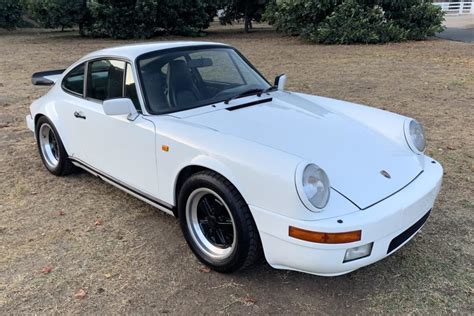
389,224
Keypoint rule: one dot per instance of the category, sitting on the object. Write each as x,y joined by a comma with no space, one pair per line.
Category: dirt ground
136,261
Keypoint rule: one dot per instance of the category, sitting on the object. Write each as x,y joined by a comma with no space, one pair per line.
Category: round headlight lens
316,186
416,136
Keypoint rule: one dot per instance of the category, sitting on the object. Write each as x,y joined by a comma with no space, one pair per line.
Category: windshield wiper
272,88
242,94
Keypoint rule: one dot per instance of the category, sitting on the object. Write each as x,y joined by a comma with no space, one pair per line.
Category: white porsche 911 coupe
315,184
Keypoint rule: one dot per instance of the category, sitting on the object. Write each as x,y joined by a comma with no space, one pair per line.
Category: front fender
217,166
264,176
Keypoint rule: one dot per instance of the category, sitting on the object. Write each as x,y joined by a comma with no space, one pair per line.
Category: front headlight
312,184
415,136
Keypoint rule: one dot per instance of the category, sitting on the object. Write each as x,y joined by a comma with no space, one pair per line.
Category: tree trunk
83,17
246,17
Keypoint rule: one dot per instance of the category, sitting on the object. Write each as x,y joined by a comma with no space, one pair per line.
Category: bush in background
356,21
11,12
298,16
57,13
418,18
246,10
112,18
144,18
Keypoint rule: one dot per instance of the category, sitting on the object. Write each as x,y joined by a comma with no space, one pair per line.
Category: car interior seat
115,83
182,90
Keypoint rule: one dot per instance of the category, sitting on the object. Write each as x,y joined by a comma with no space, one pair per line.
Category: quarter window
74,80
105,79
130,88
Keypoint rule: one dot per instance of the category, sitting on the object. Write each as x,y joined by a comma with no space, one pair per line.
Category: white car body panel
258,149
53,78
380,224
115,145
334,142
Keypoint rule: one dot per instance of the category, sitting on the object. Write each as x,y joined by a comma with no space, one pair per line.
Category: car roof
132,51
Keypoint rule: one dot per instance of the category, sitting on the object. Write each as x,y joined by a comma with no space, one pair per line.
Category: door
120,149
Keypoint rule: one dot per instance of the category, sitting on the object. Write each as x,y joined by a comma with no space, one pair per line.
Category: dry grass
137,260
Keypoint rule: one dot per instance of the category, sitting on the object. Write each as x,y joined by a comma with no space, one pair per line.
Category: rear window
74,80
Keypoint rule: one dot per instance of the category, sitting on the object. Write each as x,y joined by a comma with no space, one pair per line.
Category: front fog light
358,252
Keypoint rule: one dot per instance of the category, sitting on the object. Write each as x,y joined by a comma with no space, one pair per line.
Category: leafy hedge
246,10
57,13
145,18
11,13
356,21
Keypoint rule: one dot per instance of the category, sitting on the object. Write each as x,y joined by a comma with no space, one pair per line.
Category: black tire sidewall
63,158
236,206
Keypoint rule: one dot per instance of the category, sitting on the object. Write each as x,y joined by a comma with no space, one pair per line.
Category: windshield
178,80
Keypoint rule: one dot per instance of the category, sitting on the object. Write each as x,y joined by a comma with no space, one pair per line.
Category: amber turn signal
325,238
165,148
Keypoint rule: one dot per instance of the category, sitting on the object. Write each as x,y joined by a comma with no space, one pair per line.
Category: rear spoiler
46,78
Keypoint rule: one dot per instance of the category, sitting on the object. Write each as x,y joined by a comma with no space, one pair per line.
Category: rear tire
51,149
217,223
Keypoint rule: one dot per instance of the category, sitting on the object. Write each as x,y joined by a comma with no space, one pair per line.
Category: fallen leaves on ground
250,300
61,213
81,294
98,222
205,269
46,269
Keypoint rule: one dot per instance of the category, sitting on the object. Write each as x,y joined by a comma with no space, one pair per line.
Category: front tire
51,148
217,223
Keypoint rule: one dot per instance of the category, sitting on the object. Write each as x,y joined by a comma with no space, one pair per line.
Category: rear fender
44,106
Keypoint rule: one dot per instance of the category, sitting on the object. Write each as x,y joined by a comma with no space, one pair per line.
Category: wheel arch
37,117
52,116
203,164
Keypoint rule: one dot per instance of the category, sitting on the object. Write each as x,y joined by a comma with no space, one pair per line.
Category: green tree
356,21
246,10
146,18
11,12
57,13
418,18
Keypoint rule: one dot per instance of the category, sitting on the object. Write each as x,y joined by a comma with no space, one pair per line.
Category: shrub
355,21
10,13
421,20
294,16
57,13
247,10
185,17
144,18
112,18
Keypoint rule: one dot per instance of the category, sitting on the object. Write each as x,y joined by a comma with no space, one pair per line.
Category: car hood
352,154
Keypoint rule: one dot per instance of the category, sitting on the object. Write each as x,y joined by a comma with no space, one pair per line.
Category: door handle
79,115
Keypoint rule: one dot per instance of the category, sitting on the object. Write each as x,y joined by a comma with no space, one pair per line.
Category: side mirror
280,81
120,106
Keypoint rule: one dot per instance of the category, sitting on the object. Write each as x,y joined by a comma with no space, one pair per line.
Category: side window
105,79
74,80
130,88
